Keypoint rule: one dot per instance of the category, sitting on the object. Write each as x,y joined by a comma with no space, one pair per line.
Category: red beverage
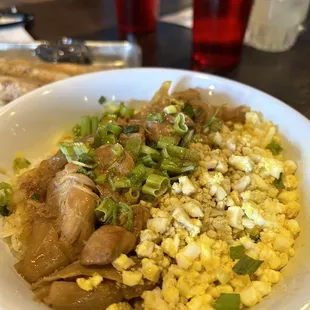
137,16
218,31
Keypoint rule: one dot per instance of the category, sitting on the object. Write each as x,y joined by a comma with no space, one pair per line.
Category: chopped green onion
279,182
108,211
100,179
187,138
180,128
189,111
94,121
163,142
102,99
125,209
157,117
247,265
176,166
108,119
85,126
117,149
156,185
88,160
132,195
183,153
110,108
98,139
131,129
114,129
89,173
5,198
76,130
73,150
138,174
150,151
170,109
165,154
125,112
109,139
227,301
105,212
237,252
274,147
213,124
20,163
122,182
148,161
133,146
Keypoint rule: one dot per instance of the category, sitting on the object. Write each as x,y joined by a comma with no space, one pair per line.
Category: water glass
274,25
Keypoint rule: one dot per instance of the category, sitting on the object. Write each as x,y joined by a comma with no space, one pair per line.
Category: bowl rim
200,75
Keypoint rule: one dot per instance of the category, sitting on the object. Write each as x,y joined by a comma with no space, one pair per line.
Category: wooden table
283,75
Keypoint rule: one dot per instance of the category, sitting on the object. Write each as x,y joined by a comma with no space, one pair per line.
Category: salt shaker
274,25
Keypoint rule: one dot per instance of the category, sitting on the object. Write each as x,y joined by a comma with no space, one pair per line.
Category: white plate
33,123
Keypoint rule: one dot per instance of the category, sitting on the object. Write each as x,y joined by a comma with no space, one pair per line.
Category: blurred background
281,70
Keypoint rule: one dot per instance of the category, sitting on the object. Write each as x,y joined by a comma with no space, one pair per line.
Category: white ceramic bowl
33,123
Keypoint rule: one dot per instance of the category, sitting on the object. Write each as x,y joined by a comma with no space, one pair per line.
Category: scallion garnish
85,126
114,129
138,174
109,139
133,146
246,265
179,127
174,166
20,163
94,123
170,109
274,147
157,117
131,129
102,100
5,198
187,138
150,151
237,252
164,141
73,151
279,182
132,196
100,179
156,185
117,150
227,301
183,153
148,161
91,174
189,111
122,182
108,212
213,124
125,112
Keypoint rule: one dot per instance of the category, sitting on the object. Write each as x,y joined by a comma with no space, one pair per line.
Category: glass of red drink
137,16
218,31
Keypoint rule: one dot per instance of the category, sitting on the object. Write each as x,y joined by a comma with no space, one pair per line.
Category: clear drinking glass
274,25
